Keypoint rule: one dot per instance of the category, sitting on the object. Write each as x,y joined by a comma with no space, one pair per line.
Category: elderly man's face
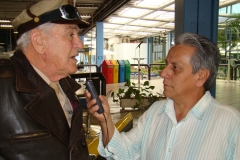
178,80
62,45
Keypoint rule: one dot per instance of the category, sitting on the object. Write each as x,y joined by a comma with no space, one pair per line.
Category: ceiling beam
103,12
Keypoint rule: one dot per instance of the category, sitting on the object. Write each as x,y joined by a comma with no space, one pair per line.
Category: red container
107,71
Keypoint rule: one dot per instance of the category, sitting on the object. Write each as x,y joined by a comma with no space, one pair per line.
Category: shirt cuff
111,149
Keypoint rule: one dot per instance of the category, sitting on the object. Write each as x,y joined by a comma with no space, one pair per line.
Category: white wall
127,51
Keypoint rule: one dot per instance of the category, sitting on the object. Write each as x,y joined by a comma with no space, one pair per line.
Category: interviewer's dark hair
206,55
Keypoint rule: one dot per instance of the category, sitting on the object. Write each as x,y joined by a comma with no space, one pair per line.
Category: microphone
139,44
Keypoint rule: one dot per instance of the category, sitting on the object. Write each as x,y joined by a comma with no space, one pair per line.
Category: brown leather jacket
32,123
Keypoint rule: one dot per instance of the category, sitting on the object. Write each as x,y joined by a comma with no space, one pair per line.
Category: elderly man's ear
202,76
38,40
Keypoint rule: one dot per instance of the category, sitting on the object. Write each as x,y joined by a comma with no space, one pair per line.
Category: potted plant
136,97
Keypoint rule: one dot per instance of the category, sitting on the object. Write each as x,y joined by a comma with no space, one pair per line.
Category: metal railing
149,66
146,65
235,71
89,65
93,76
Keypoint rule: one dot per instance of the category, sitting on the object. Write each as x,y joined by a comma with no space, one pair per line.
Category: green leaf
146,83
152,87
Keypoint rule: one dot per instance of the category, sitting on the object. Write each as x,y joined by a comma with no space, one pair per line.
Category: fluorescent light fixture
107,33
85,16
143,33
152,3
135,12
155,14
6,25
156,29
171,7
107,30
120,31
120,20
89,35
5,21
136,2
123,11
111,26
169,25
166,16
144,23
92,32
132,28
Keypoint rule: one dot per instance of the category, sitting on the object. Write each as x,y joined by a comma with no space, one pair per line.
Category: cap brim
31,24
80,23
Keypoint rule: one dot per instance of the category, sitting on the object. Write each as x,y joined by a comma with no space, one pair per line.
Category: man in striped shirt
190,124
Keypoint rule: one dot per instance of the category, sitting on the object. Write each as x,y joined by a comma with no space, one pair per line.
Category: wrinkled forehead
178,52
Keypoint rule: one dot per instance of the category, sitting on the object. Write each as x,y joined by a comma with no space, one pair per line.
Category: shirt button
169,150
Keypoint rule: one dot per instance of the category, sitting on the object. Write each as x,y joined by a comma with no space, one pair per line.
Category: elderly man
40,115
190,124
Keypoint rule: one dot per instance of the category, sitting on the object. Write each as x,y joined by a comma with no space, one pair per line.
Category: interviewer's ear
37,40
202,76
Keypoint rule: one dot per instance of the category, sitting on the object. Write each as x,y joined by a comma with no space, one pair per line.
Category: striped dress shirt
210,131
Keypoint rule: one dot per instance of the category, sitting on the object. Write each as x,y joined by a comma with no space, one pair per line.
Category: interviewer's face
179,81
62,47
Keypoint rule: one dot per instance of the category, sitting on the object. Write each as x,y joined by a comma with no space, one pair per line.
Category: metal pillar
82,39
197,16
99,43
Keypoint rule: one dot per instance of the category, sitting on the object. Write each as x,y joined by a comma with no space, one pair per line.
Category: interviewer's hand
106,124
92,108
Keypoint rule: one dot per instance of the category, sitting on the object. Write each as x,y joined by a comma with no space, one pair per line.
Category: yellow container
115,70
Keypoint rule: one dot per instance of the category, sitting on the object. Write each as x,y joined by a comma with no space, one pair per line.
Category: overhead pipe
103,12
106,8
110,8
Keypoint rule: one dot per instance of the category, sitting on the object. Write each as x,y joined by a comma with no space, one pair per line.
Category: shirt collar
201,106
169,110
198,110
44,77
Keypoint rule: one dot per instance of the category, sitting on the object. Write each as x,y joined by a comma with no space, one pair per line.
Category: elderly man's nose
79,43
